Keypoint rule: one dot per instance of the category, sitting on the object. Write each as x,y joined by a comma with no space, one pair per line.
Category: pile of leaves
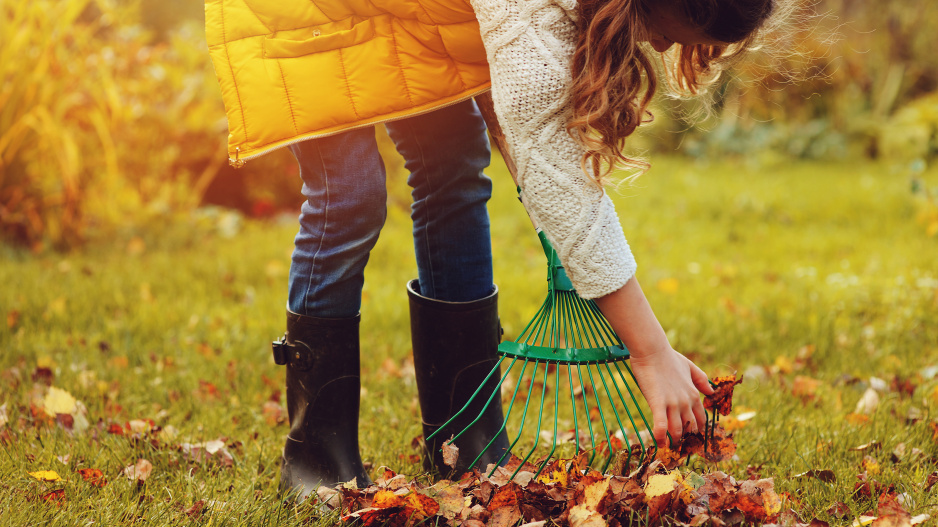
567,492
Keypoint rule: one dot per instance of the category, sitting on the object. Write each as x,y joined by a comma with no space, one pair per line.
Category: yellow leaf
668,285
783,364
45,475
557,476
661,484
582,516
772,503
45,361
594,493
58,402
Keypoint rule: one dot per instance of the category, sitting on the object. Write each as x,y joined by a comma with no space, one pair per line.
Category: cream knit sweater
530,44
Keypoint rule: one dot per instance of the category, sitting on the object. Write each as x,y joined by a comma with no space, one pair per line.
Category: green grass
745,265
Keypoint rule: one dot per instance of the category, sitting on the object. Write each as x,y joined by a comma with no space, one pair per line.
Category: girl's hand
672,385
670,382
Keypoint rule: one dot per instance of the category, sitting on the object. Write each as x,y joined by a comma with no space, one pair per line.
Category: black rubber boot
323,389
455,346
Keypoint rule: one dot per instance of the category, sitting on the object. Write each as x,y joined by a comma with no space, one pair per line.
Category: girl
569,82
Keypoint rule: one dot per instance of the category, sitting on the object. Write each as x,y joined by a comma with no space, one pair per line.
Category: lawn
816,281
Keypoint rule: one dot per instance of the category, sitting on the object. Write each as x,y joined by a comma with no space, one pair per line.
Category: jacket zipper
238,161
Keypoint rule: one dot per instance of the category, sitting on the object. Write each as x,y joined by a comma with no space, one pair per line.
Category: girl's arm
669,381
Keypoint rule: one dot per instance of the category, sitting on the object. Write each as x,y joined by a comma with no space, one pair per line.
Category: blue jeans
346,206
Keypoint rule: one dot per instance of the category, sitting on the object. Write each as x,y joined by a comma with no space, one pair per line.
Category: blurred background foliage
110,116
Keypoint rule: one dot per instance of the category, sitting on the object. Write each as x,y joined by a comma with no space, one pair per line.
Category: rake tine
576,428
553,445
603,323
635,402
625,405
511,406
602,418
590,335
524,415
540,415
498,390
472,398
543,312
589,420
612,403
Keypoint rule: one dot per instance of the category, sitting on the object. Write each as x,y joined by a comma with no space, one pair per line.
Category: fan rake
568,333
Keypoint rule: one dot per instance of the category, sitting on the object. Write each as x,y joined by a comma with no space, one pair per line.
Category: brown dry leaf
890,514
196,509
827,476
931,480
139,471
805,388
721,400
274,414
93,476
450,498
840,510
450,454
757,499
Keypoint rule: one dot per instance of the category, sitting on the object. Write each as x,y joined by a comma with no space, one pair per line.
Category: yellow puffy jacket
292,70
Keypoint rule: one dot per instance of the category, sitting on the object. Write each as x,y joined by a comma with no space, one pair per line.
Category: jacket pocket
279,48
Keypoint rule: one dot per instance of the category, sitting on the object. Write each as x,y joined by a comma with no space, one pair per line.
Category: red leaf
55,497
93,476
721,400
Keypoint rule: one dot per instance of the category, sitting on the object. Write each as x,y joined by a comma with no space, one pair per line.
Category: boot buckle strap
297,355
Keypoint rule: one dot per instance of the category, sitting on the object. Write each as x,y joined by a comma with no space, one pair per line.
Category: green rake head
568,337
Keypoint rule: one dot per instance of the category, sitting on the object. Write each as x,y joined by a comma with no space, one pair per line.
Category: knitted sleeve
529,44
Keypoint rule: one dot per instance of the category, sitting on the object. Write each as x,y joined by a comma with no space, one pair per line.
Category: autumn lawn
817,282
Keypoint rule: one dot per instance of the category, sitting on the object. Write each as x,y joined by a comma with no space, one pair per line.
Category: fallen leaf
931,480
139,471
45,475
721,400
868,402
827,476
582,516
660,484
196,509
55,497
274,414
450,454
840,510
857,419
805,387
58,401
93,476
890,514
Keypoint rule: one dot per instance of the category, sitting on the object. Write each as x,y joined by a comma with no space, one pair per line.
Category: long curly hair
614,79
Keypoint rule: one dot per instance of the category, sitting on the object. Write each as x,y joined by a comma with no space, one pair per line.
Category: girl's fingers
660,428
700,416
700,379
675,426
